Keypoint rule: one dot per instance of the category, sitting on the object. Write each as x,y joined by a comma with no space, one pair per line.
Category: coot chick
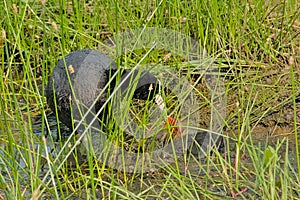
200,144
88,71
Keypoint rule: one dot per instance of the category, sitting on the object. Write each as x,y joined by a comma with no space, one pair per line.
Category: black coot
88,71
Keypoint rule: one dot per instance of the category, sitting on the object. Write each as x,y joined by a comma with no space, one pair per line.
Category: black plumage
86,72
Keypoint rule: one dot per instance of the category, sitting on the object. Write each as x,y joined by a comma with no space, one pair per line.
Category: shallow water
190,168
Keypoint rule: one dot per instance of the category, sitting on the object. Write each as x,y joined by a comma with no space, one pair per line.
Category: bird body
79,79
85,72
79,83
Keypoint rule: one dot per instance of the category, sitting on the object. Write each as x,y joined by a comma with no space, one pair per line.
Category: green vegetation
258,48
